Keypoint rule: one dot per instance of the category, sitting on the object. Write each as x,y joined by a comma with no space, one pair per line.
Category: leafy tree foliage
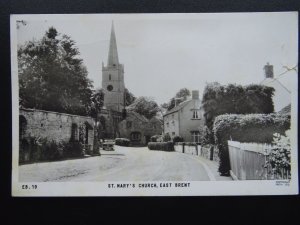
145,106
235,99
52,76
97,101
129,97
180,96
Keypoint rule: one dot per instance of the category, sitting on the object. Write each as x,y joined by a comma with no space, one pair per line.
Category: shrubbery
51,150
40,149
257,128
187,143
166,137
156,138
177,139
280,155
163,146
122,141
73,149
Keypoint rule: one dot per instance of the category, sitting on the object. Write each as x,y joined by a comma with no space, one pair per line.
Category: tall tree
145,106
52,76
129,97
97,101
234,99
180,96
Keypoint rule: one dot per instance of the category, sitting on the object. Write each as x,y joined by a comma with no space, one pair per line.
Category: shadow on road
113,154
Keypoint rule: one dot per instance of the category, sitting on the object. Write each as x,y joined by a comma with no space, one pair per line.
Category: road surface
123,164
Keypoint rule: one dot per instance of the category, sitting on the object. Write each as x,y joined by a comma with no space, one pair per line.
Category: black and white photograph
169,104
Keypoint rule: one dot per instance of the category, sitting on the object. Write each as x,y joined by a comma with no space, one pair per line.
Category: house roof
180,106
138,116
285,110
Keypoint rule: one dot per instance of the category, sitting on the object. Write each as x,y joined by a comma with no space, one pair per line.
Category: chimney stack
195,94
268,71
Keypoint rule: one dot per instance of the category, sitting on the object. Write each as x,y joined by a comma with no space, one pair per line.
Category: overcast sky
162,53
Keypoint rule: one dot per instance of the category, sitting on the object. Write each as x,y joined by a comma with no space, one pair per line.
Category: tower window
109,77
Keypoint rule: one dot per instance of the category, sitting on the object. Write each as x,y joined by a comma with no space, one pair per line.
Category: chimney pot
268,71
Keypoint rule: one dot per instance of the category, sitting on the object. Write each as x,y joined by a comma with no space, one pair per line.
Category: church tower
113,77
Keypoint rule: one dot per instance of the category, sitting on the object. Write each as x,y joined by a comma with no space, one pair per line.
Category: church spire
113,52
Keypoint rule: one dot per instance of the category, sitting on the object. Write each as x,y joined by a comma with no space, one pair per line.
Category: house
286,110
185,120
282,95
138,129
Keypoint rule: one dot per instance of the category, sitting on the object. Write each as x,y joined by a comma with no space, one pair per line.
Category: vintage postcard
155,104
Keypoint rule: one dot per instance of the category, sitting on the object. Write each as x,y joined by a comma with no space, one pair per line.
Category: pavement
124,164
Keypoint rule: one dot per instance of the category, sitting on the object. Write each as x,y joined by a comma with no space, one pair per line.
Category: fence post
211,150
183,144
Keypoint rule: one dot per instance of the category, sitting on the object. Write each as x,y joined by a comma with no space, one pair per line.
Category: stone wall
55,126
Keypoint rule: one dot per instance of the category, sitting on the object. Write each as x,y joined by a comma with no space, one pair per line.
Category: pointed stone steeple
113,59
113,77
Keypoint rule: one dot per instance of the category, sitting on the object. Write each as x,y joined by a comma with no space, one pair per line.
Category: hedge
163,146
258,128
188,143
177,139
122,141
155,138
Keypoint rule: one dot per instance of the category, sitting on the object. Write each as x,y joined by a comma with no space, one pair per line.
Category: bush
30,149
73,149
166,137
280,155
163,146
39,149
257,128
51,150
122,141
156,138
177,139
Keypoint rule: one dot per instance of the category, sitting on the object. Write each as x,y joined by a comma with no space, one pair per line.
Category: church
135,127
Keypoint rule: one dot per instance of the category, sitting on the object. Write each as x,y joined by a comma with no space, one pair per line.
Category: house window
128,124
196,114
109,77
135,136
168,124
173,133
196,136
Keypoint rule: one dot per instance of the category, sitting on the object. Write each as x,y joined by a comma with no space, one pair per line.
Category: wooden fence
248,161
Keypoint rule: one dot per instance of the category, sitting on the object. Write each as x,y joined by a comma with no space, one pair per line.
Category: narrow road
123,164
